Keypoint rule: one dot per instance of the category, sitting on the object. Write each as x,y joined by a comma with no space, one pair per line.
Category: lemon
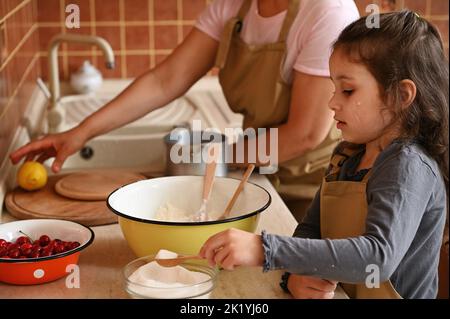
32,176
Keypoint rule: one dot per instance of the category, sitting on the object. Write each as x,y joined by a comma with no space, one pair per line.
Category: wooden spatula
238,191
172,262
210,173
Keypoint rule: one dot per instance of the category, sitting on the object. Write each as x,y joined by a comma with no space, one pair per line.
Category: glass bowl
157,288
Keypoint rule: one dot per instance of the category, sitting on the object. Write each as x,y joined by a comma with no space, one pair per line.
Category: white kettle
87,79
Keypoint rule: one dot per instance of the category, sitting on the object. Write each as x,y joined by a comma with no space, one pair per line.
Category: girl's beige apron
250,76
343,211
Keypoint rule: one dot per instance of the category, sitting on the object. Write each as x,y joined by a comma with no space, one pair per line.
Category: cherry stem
26,235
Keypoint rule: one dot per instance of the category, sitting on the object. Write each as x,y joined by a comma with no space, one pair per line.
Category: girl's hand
232,248
59,146
305,287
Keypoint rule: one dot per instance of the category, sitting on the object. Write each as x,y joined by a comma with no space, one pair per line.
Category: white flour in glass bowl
145,278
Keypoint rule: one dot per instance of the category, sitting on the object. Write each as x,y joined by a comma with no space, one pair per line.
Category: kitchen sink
140,144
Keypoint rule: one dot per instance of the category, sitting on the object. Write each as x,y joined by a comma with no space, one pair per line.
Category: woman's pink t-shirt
315,28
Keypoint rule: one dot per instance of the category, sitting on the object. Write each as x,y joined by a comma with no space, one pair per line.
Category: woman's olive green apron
250,76
343,212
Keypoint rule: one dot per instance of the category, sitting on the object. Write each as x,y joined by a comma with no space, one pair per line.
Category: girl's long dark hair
406,46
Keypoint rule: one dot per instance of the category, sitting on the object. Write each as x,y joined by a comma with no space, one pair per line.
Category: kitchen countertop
101,264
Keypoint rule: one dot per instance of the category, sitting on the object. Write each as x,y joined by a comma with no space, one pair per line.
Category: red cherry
22,240
14,253
44,240
50,248
67,245
25,249
74,245
34,254
13,247
45,253
37,248
59,248
52,243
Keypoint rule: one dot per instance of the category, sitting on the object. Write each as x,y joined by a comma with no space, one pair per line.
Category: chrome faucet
56,114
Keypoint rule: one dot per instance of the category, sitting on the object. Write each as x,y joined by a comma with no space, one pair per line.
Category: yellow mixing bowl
137,204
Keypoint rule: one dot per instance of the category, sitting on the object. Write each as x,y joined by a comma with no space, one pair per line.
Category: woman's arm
174,76
309,118
153,89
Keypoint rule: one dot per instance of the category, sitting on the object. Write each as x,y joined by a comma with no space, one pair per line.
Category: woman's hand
305,287
232,248
60,146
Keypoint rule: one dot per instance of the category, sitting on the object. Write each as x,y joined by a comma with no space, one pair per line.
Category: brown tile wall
19,64
141,32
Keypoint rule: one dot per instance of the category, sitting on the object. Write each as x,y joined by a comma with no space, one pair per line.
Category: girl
376,223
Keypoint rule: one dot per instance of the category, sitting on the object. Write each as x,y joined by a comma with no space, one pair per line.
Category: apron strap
232,26
289,19
235,25
244,9
225,42
367,176
335,164
338,159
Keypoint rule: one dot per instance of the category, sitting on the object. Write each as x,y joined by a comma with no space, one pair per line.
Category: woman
273,59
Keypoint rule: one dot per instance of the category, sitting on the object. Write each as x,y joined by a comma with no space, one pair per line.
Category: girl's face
359,110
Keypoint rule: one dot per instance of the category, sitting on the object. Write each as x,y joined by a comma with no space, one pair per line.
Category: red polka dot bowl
21,267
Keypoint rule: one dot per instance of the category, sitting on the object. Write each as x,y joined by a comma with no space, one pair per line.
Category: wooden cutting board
46,203
94,185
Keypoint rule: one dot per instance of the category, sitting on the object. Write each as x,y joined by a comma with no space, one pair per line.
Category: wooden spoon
172,262
210,174
238,191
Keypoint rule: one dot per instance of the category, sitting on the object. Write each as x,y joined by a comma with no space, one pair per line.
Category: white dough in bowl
169,212
172,213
